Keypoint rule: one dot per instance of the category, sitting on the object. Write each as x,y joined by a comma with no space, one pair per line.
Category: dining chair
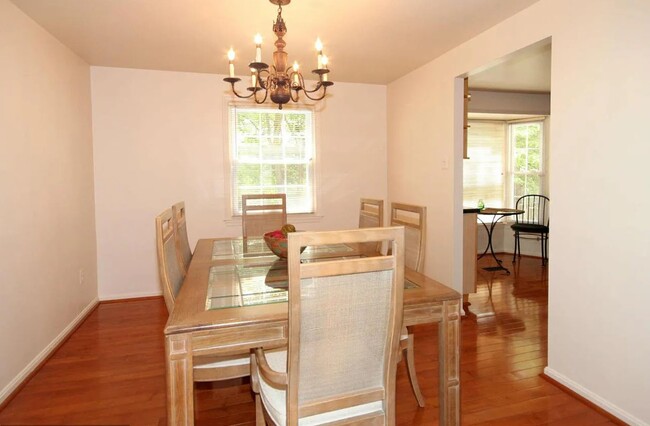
413,219
534,220
262,213
182,242
371,215
345,317
205,369
169,269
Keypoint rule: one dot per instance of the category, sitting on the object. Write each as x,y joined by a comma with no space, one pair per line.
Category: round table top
500,211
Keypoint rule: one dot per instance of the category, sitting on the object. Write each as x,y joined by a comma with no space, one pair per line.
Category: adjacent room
299,211
508,146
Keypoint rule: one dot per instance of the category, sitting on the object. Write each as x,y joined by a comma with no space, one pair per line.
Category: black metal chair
534,220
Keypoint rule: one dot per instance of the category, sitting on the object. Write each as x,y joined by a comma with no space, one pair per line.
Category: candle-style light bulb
231,65
253,78
296,67
325,60
319,49
258,47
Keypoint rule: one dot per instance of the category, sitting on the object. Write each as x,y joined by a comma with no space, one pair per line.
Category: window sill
235,221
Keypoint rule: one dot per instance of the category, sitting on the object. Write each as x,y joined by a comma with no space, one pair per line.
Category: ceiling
366,41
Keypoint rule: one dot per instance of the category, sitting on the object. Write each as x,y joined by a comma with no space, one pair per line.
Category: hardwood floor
111,370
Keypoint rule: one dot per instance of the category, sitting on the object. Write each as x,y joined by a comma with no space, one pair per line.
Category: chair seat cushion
274,399
530,227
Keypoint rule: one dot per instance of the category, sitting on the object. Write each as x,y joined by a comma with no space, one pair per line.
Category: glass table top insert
256,247
259,277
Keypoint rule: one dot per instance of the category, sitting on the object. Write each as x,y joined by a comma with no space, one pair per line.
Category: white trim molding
594,398
46,352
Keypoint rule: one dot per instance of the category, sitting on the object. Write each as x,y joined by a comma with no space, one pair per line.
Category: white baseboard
129,296
595,399
29,369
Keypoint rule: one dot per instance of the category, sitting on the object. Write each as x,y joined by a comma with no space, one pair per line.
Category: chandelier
282,83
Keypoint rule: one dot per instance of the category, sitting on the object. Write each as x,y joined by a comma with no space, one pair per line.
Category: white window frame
230,108
510,173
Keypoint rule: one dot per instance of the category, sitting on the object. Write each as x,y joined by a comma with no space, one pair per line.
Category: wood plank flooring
111,371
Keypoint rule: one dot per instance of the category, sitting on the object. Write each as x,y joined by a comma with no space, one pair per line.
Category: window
506,161
272,151
526,159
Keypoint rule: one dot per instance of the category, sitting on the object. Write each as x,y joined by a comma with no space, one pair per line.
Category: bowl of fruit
277,240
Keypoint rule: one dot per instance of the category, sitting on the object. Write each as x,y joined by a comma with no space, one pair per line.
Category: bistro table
497,215
234,299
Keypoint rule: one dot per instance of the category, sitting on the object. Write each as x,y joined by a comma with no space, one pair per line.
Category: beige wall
46,182
159,138
598,291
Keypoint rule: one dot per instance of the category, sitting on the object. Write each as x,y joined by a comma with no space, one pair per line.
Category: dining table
496,214
234,299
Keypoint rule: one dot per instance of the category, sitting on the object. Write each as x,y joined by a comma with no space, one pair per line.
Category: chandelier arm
300,84
315,89
267,85
257,101
317,98
297,93
238,95
266,93
263,85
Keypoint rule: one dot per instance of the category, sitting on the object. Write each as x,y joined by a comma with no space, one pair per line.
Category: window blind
483,172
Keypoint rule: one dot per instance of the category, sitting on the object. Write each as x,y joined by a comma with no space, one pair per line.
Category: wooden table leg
449,365
180,380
